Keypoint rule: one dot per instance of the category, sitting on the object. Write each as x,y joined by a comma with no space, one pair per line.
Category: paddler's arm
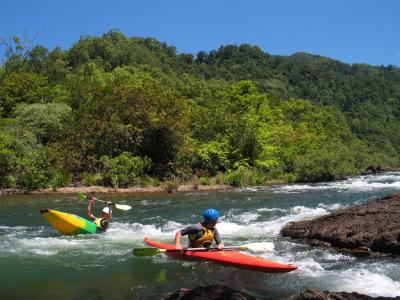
89,209
218,240
193,229
178,238
110,204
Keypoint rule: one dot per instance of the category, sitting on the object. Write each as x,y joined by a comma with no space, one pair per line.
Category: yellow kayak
66,223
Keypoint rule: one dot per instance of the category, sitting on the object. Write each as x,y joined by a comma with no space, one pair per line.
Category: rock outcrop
210,292
222,292
372,169
372,228
312,294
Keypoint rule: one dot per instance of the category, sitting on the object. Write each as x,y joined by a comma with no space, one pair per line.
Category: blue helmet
211,214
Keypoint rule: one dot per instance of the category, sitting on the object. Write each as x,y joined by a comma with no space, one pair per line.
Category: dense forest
119,111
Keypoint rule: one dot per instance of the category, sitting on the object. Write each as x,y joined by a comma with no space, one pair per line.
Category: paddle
263,246
123,207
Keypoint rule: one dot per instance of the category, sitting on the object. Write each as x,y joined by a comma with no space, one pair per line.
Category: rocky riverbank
312,294
372,228
210,292
217,292
110,190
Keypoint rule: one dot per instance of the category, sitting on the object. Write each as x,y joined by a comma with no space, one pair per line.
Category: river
37,263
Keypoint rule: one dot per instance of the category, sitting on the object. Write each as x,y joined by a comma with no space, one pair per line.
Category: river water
37,263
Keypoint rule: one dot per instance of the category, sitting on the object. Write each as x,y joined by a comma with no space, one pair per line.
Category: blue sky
353,31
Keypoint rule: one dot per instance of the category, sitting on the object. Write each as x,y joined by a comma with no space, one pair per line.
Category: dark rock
78,184
9,191
312,294
372,169
178,294
372,228
209,292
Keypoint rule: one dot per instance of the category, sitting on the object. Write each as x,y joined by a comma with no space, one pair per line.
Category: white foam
309,267
335,257
246,223
171,227
271,209
229,228
119,239
250,189
146,202
13,228
332,207
248,217
136,232
246,227
61,243
348,276
366,282
44,252
359,183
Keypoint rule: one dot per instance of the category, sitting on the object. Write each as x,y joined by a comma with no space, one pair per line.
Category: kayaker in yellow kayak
201,234
106,215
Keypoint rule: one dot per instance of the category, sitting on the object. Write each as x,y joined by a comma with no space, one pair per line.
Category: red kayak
228,257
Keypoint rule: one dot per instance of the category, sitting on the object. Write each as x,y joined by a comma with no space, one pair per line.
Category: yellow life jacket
97,222
204,241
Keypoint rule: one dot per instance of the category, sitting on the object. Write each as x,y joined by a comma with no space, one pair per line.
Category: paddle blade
146,251
122,206
262,246
81,196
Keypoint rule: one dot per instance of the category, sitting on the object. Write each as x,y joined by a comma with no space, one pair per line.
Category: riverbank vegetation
119,111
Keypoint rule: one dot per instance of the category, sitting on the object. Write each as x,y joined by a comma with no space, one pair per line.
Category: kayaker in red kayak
106,215
201,234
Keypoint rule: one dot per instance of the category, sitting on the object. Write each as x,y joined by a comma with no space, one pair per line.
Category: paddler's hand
109,203
220,245
178,247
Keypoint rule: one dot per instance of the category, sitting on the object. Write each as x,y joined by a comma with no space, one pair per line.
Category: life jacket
204,241
101,223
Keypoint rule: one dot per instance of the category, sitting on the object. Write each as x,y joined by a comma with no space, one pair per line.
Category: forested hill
369,96
122,111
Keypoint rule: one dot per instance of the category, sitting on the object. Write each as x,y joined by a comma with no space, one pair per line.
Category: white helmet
106,210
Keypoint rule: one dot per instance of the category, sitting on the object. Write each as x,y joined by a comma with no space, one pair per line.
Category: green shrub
9,182
289,178
171,185
212,157
155,182
184,173
49,121
147,181
123,170
384,161
243,177
32,178
205,180
327,163
35,171
90,179
60,179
